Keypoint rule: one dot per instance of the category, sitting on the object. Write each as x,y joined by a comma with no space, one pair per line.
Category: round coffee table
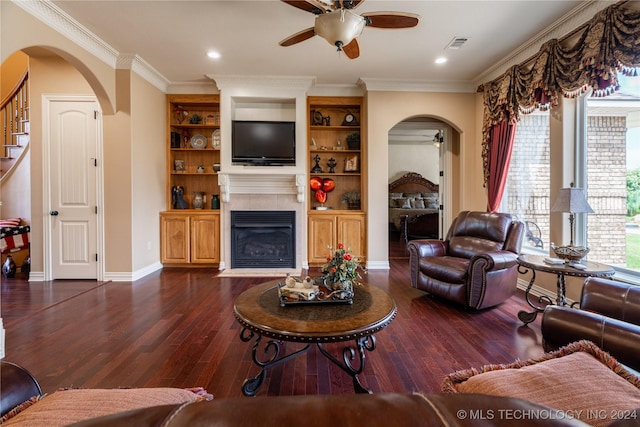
259,312
536,263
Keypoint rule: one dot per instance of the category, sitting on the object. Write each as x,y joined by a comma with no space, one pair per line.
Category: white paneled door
73,134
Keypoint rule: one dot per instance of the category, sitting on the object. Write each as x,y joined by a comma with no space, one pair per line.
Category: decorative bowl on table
570,253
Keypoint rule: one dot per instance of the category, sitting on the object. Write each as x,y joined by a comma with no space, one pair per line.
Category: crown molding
54,17
373,84
202,88
262,82
571,21
133,62
57,19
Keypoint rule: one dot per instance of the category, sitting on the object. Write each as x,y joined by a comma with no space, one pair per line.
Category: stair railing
14,111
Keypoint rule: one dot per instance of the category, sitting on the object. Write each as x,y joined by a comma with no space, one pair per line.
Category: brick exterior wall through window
527,191
607,183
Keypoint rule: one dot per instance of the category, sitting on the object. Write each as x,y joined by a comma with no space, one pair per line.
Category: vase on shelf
198,200
215,202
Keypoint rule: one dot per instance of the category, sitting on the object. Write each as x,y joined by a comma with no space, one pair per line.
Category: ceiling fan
339,25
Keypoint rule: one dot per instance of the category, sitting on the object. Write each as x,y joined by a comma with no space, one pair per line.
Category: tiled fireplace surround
263,191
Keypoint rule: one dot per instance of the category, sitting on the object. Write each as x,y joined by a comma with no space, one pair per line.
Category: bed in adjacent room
414,207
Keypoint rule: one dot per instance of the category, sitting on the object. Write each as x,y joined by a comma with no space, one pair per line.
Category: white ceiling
174,36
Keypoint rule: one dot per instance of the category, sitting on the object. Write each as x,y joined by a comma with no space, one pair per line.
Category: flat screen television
263,143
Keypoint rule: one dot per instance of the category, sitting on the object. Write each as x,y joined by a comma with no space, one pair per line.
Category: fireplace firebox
263,239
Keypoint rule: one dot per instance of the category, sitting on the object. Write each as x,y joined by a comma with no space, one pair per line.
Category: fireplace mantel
261,183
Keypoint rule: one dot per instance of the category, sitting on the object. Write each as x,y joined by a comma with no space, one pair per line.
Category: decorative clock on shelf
349,120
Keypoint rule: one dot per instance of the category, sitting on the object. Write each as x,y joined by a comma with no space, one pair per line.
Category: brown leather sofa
476,263
384,410
609,316
380,410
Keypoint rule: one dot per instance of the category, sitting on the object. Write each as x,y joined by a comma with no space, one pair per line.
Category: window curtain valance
604,46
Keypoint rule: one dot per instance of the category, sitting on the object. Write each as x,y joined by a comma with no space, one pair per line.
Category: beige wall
148,146
422,159
384,110
11,72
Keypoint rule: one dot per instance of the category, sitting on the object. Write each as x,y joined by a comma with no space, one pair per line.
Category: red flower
328,258
340,246
347,256
333,269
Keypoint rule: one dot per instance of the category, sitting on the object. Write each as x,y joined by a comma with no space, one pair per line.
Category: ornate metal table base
271,352
528,317
535,263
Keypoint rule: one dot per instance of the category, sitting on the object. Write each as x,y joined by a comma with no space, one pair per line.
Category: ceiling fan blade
352,49
391,19
298,37
308,6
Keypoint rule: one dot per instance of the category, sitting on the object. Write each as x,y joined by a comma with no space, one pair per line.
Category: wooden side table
536,263
259,312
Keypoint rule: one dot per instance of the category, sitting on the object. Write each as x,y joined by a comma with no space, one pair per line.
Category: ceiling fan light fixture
339,27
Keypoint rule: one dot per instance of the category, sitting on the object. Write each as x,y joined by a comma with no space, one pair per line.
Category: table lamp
573,201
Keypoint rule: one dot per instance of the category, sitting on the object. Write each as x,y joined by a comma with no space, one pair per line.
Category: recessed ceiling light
213,54
441,60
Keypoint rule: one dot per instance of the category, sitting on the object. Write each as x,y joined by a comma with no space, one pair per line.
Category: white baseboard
131,276
378,265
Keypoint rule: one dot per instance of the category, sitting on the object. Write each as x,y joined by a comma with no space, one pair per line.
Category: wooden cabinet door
205,235
174,238
351,232
322,235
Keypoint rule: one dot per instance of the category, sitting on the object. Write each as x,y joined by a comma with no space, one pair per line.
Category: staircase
14,113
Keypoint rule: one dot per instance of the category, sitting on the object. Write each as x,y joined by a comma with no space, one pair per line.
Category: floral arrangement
342,266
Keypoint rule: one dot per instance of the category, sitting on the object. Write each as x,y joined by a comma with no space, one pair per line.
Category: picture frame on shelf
178,165
352,163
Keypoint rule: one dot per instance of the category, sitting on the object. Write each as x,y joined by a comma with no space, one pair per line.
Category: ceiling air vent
456,43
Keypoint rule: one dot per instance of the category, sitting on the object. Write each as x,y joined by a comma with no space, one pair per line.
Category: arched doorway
417,148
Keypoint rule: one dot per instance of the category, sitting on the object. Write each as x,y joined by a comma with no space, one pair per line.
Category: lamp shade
571,200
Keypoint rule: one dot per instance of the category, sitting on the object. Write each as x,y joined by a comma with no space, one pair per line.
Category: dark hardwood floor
176,328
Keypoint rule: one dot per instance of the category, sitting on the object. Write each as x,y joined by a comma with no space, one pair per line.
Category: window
526,194
610,170
607,166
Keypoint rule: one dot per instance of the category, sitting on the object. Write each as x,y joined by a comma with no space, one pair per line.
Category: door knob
53,213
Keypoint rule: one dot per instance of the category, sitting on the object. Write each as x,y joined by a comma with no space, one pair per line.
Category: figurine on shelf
185,138
177,198
317,168
332,164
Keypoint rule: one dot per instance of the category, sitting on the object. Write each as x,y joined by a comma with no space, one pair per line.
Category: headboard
412,182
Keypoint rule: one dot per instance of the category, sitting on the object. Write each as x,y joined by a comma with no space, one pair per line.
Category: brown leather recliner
476,263
609,316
